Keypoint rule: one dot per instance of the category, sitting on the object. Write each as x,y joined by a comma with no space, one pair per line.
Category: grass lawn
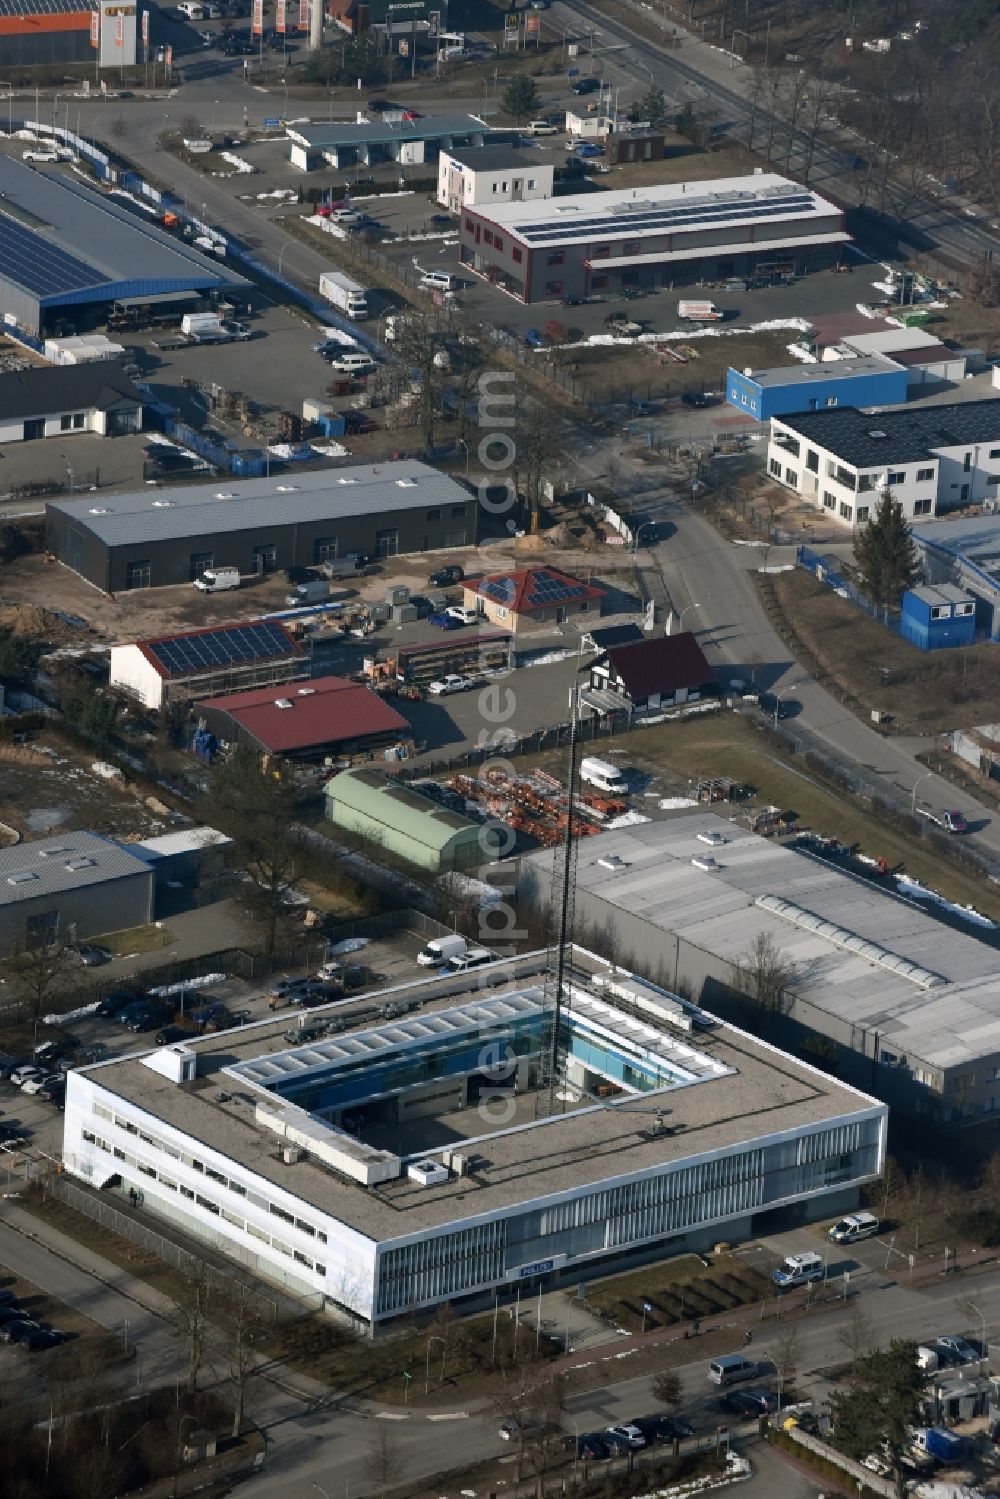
725,744
137,939
677,1289
603,367
925,691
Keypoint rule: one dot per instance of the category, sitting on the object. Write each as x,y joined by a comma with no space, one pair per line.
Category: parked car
145,1019
91,954
7,1297
171,1033
36,1339
463,615
749,1403
593,1448
617,1445
39,154
53,1090
629,1432
452,682
440,218
444,621
49,1052
588,150
25,1073
10,1314
959,1350
115,1002
585,86
444,577
513,1429
698,398
12,1332
33,1085
533,338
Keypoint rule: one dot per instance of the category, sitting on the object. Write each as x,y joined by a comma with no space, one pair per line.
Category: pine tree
883,1400
885,554
520,97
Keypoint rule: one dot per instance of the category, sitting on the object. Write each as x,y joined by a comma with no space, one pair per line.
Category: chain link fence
274,1303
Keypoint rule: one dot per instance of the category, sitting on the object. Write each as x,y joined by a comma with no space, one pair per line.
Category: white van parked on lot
192,10
353,364
798,1270
604,776
438,280
440,949
218,579
473,957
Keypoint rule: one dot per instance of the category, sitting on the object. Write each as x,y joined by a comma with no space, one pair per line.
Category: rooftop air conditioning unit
291,1154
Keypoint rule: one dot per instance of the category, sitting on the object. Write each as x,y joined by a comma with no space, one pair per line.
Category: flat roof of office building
818,374
492,158
879,963
758,1092
722,204
902,435
171,513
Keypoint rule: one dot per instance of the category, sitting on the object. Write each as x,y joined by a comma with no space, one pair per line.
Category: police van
798,1270
854,1227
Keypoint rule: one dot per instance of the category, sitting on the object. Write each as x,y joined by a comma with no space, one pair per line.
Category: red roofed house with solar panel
326,716
530,597
222,658
652,675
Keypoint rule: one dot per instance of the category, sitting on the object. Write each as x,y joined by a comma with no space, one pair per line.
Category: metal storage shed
404,821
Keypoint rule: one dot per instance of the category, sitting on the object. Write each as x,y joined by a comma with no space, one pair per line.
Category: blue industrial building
869,381
937,617
66,250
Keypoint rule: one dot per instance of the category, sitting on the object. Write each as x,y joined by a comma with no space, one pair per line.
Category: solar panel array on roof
548,588
29,261
226,646
701,211
501,590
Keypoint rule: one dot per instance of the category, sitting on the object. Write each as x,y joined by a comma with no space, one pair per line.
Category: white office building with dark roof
930,458
760,228
403,1156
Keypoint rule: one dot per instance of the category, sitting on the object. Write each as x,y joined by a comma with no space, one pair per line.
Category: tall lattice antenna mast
562,903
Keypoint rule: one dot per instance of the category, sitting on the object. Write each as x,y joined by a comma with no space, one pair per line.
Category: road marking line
454,1416
390,1416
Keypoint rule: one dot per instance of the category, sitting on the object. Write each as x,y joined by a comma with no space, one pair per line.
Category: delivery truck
315,591
345,293
938,1442
699,312
209,328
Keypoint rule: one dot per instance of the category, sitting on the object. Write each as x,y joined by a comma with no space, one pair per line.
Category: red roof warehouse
306,720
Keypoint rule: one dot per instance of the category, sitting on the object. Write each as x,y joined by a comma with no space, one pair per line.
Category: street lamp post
778,696
913,797
732,45
680,617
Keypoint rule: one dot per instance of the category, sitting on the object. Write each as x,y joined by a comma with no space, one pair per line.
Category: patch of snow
349,944
627,820
675,803
71,1015
913,887
200,982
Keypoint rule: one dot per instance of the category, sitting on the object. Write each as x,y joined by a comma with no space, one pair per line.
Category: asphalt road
694,74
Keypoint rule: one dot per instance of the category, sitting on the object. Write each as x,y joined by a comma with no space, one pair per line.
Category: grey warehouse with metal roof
63,245
912,1005
154,537
73,885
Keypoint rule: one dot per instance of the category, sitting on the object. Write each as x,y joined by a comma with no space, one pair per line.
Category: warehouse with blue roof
66,250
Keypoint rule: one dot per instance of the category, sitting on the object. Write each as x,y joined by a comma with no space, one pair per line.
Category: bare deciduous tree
764,975
382,1461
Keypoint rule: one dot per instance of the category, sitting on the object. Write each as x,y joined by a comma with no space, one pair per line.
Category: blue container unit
870,381
937,617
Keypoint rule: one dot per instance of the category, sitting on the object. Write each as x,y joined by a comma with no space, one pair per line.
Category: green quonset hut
407,823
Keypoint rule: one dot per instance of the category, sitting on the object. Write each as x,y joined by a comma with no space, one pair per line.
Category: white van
473,957
440,949
604,776
732,1368
798,1270
854,1227
192,10
353,364
218,579
438,280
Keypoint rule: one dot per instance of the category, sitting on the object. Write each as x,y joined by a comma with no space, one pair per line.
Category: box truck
209,328
699,312
343,292
316,591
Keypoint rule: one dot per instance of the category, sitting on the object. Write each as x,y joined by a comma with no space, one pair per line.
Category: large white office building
408,1156
930,458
